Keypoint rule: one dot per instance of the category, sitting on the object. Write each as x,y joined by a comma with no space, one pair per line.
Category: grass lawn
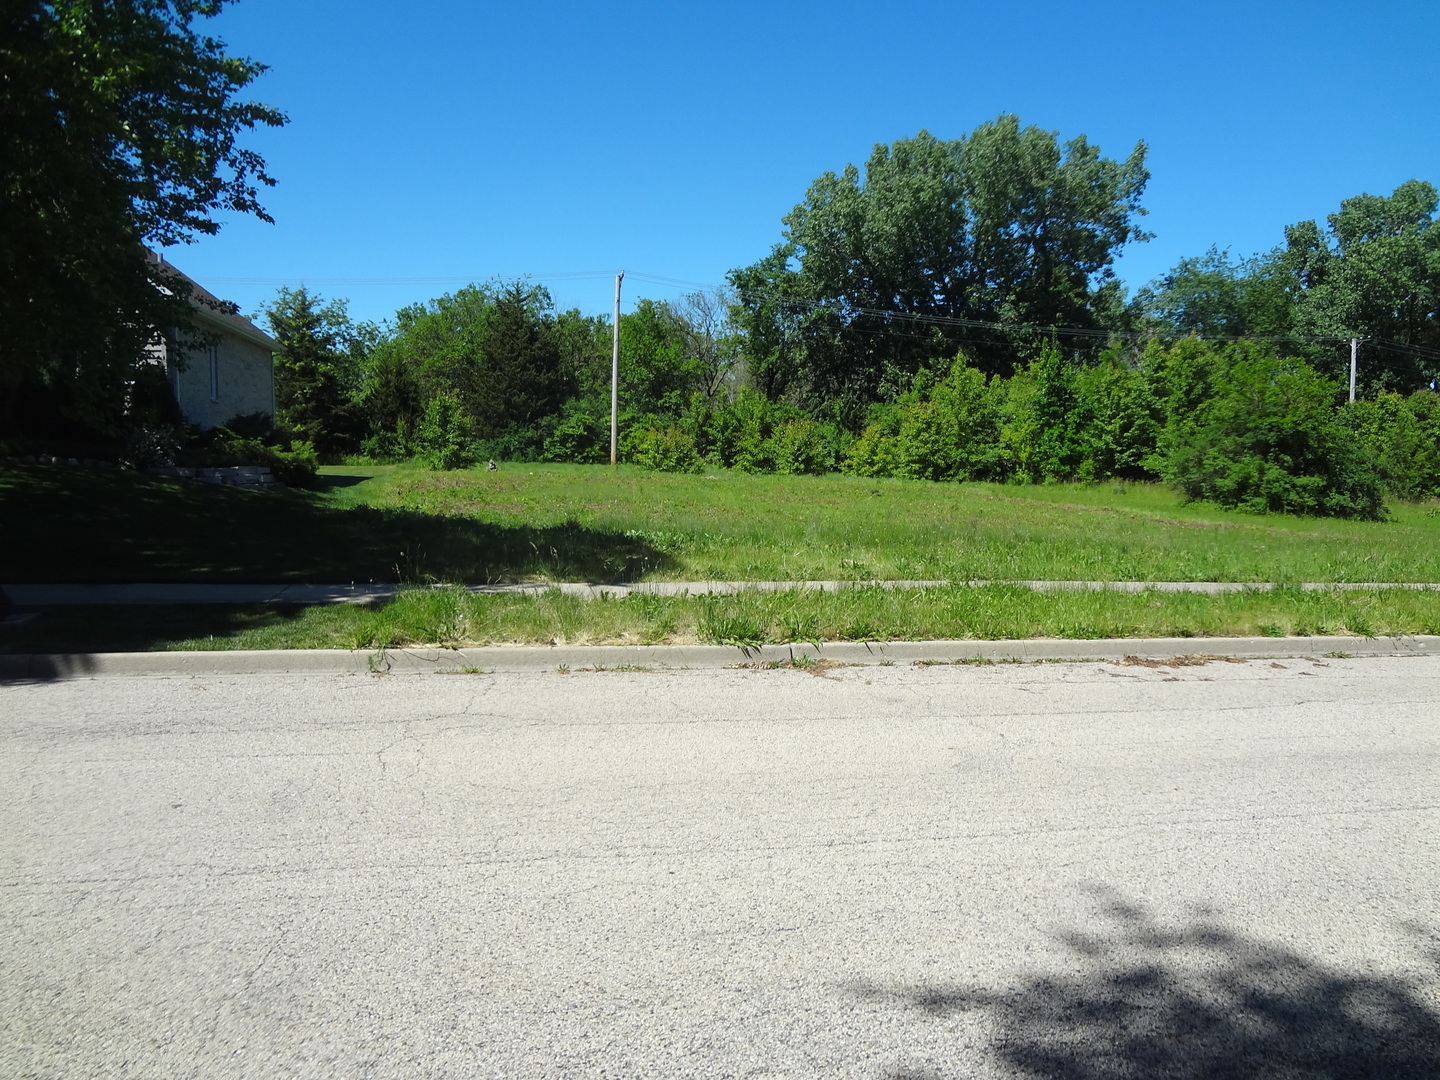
589,523
557,522
450,617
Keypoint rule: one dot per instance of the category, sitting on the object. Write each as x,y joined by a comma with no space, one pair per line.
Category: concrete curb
44,667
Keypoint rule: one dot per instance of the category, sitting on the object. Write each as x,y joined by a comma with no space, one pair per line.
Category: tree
658,372
519,377
769,313
495,347
710,340
119,126
883,271
1215,296
318,371
1374,273
391,399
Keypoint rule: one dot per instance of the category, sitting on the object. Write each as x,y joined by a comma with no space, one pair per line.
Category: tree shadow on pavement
1202,1001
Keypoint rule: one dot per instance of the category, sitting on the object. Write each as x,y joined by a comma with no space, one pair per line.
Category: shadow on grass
59,638
78,525
1202,1001
333,482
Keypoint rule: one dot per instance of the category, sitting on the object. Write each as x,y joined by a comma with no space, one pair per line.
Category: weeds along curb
53,666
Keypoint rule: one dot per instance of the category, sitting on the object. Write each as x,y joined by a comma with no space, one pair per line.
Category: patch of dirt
1189,660
817,668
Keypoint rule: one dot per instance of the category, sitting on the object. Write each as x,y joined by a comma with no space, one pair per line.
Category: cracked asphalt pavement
1044,870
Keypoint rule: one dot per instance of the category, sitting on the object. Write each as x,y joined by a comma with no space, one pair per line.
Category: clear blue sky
451,141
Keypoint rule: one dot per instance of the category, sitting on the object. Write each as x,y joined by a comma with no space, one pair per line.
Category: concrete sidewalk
206,593
1181,652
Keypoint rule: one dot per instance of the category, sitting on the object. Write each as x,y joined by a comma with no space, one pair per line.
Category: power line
1420,350
578,275
982,324
792,301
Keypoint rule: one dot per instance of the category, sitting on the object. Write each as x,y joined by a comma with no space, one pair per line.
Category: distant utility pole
615,375
1354,351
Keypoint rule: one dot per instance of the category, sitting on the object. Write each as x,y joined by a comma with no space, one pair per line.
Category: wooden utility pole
1354,352
615,376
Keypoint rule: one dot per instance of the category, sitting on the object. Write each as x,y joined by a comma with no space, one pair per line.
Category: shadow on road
44,668
1202,1001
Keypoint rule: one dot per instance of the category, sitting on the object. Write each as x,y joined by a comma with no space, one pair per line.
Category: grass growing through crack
450,617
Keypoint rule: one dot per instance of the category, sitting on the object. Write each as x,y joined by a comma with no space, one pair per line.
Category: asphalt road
1073,870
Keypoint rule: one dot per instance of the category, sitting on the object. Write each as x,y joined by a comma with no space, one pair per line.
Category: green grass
450,617
589,523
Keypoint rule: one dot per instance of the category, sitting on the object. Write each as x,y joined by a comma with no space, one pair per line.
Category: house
231,375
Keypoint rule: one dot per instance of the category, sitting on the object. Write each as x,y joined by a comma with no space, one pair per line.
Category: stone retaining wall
246,476
230,475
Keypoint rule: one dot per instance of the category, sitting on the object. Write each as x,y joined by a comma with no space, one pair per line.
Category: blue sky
439,141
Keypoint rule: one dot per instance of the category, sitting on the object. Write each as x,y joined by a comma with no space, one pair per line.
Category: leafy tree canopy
498,348
119,126
1372,272
885,269
1215,296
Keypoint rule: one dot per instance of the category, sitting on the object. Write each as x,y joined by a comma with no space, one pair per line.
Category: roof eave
250,333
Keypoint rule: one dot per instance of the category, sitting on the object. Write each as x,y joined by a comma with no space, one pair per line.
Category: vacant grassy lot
587,523
555,523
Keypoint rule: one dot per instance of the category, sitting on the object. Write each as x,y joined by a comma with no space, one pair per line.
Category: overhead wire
451,279
922,318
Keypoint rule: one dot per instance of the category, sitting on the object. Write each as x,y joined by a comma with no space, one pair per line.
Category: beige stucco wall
246,383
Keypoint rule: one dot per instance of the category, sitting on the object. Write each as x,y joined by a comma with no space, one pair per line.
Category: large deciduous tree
1374,273
1216,296
119,127
884,269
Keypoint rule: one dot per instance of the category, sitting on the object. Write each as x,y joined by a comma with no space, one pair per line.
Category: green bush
387,446
667,449
876,452
946,429
445,438
147,445
255,425
525,443
744,427
292,462
1061,422
299,466
580,436
1122,422
1258,433
799,447
1403,436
